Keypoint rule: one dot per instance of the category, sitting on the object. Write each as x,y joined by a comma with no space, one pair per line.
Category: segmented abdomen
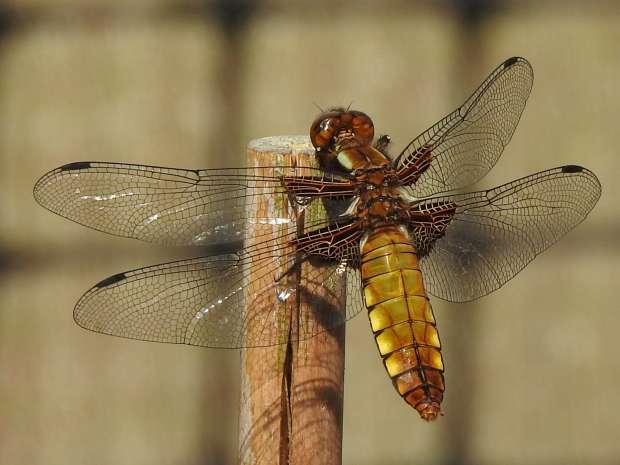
402,319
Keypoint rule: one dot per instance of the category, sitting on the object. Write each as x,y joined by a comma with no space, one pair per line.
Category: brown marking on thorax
380,201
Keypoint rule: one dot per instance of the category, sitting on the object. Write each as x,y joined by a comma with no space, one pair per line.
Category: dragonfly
394,229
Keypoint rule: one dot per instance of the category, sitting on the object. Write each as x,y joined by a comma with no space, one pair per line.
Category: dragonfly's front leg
382,143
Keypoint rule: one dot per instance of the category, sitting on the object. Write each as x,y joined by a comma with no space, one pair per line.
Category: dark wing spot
572,169
510,61
78,165
111,280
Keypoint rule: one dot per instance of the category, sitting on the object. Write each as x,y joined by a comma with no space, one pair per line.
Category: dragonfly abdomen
402,318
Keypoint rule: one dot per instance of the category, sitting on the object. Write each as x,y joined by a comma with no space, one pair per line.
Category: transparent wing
461,148
166,205
227,301
494,234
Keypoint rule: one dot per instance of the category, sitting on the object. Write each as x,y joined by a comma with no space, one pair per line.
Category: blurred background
532,370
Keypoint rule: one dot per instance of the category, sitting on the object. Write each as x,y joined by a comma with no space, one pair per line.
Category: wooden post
291,394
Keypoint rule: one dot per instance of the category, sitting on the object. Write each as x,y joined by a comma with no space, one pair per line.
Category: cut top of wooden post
298,146
291,393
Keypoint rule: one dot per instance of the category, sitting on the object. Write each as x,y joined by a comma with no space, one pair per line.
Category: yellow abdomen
402,318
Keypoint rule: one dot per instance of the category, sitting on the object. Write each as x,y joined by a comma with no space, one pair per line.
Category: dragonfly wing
166,205
226,301
461,148
494,234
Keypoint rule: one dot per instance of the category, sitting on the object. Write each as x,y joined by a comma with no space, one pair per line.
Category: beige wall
532,371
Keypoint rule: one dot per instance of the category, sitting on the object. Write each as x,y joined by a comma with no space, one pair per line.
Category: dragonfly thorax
381,206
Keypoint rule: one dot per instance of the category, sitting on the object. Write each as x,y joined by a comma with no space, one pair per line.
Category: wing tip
576,169
511,61
520,62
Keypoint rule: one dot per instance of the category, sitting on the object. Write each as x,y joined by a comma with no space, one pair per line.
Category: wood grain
291,394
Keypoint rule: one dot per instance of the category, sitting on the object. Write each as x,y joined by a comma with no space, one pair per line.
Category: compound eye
322,132
326,126
363,127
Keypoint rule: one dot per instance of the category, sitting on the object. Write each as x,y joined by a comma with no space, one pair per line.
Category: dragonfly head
337,129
